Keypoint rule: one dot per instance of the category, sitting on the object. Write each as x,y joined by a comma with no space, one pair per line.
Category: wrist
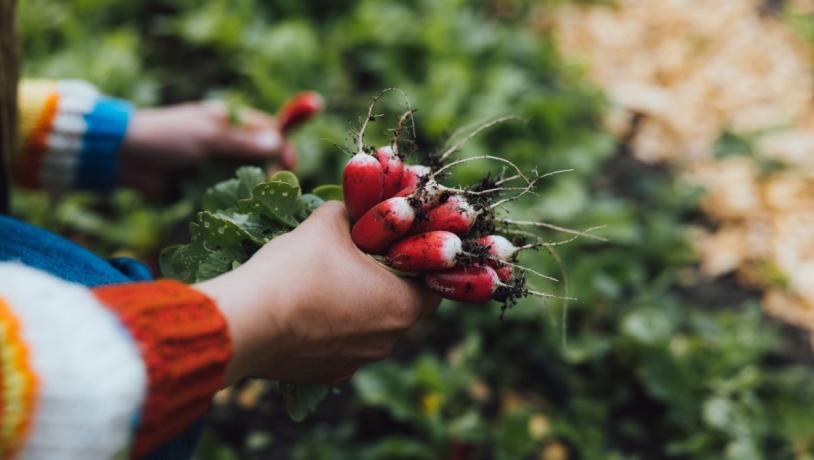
140,138
253,309
230,305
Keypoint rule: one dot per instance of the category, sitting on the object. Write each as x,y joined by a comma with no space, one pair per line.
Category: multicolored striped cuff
185,345
71,135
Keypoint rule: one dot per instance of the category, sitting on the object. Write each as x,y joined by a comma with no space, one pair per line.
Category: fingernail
268,140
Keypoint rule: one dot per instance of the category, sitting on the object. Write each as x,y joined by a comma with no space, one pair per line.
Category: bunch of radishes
446,235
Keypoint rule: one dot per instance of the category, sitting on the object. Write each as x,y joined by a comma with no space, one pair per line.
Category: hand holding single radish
310,306
161,140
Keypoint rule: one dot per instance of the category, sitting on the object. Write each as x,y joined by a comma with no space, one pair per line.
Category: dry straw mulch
693,70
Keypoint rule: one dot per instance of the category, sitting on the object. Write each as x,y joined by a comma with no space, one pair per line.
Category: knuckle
333,216
383,352
413,310
343,375
333,208
407,317
431,303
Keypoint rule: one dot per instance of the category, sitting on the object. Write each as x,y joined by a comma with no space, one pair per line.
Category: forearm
94,371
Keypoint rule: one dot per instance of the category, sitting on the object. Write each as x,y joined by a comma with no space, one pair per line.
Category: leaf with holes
278,201
225,195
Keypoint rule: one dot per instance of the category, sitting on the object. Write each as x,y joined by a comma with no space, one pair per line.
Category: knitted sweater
96,373
111,370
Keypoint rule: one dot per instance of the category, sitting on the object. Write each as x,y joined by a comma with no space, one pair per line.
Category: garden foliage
658,362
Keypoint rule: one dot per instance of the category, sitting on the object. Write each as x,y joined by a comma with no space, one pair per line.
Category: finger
371,347
245,117
343,376
256,119
426,299
217,109
249,144
267,138
429,301
288,156
312,370
333,215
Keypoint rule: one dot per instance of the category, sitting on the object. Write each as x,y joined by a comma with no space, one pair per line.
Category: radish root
442,156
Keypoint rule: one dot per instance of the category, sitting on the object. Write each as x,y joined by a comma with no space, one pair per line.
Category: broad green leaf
278,201
211,448
181,261
219,232
301,399
285,176
219,262
329,192
170,264
310,203
223,195
249,177
252,227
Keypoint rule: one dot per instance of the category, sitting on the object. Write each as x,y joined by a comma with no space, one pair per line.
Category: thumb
252,143
288,155
331,214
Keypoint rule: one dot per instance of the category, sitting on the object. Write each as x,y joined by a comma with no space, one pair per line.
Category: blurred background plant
665,357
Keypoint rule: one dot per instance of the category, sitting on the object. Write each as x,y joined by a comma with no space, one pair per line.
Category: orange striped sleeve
185,345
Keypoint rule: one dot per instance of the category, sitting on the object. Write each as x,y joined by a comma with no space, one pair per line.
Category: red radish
475,284
427,196
456,215
498,247
504,273
412,176
382,224
298,109
393,170
362,183
426,252
500,252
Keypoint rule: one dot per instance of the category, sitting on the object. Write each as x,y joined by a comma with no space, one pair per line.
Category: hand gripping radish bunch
405,216
402,214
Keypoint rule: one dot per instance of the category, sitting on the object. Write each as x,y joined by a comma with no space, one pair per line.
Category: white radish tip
500,247
418,170
464,207
451,248
317,99
496,283
400,206
362,157
433,188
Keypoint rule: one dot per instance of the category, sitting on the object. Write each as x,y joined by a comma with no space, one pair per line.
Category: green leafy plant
239,216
